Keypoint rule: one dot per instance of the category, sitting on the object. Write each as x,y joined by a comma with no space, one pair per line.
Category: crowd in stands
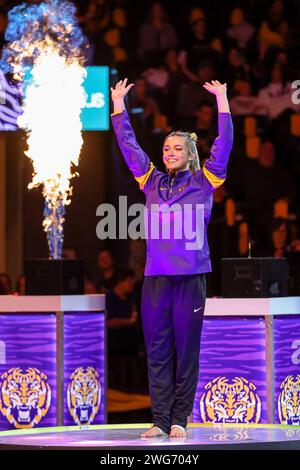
169,50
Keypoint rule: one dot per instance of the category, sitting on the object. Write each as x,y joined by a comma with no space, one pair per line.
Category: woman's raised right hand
120,91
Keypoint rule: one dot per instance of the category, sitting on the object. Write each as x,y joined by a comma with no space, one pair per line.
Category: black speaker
294,266
54,277
255,277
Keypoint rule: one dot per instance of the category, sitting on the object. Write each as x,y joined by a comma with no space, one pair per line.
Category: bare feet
154,432
177,431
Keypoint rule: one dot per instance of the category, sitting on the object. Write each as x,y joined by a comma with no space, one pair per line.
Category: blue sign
95,115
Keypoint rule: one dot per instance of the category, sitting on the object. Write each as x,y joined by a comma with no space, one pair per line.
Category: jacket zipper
171,185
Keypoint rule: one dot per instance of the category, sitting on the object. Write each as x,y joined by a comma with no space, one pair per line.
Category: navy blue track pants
172,316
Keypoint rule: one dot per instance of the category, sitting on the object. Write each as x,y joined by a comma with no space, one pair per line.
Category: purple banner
232,372
287,369
84,368
27,370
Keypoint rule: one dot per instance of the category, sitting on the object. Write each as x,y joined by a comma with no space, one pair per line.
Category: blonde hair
191,143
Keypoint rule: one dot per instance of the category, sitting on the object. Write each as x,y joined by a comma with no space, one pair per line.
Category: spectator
156,35
89,285
69,252
199,46
238,68
192,94
155,121
137,258
205,128
167,80
20,288
95,17
243,101
279,234
5,284
273,31
258,184
283,240
275,98
240,30
122,329
93,21
222,237
140,97
115,38
106,269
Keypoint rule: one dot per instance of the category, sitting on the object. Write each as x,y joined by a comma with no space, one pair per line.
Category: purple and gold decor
249,369
28,371
84,369
52,361
287,369
232,375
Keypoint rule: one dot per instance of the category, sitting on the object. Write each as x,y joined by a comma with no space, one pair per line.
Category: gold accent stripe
117,112
214,180
142,180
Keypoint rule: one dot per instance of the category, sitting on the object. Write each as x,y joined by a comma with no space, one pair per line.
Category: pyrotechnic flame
47,38
54,143
51,115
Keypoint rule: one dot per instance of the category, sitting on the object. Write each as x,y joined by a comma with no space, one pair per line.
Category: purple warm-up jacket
181,207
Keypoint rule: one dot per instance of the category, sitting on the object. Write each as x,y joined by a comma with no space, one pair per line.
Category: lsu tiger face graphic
289,401
230,401
84,395
25,396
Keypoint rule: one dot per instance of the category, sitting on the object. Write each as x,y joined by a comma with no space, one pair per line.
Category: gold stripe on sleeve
214,180
142,180
117,112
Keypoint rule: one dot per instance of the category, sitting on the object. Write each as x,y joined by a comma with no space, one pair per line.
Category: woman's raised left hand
215,87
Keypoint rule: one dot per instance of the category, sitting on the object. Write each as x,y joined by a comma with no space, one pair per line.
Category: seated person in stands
106,267
122,332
